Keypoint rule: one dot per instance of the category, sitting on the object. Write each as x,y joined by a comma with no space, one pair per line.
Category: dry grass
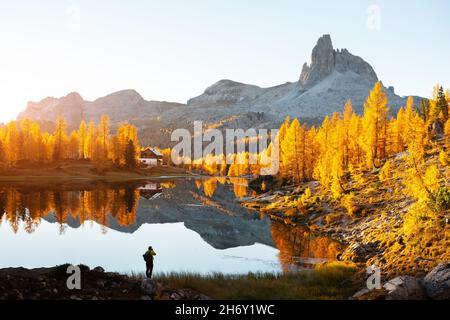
331,281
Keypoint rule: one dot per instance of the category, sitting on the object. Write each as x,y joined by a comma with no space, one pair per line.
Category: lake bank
324,282
327,281
95,284
84,171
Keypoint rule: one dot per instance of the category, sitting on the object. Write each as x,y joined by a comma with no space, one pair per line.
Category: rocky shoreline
403,275
371,235
96,284
434,286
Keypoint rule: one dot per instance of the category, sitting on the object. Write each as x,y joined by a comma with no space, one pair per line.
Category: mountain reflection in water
232,238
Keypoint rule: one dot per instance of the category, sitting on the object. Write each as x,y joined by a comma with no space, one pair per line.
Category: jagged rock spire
322,62
325,60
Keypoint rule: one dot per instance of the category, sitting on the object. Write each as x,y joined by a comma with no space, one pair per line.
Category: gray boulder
437,282
360,293
150,287
98,269
404,288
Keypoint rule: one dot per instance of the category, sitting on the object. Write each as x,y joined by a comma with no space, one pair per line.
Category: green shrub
441,199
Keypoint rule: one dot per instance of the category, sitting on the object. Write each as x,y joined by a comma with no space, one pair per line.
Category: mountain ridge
332,77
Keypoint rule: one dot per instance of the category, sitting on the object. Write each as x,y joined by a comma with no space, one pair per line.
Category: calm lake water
194,225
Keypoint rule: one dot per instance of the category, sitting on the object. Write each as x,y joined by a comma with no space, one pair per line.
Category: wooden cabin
150,157
150,191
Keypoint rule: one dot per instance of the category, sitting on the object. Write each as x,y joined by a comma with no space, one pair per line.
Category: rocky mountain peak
325,60
50,109
224,93
73,99
322,63
73,96
122,97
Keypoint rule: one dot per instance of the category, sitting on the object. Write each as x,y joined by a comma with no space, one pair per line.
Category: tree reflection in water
30,206
240,186
25,207
299,247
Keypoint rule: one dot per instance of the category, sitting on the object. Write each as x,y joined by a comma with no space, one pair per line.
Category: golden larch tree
375,124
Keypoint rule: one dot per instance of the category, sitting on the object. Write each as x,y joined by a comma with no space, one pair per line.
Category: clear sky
173,49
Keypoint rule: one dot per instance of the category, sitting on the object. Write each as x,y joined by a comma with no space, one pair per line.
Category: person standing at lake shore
148,257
